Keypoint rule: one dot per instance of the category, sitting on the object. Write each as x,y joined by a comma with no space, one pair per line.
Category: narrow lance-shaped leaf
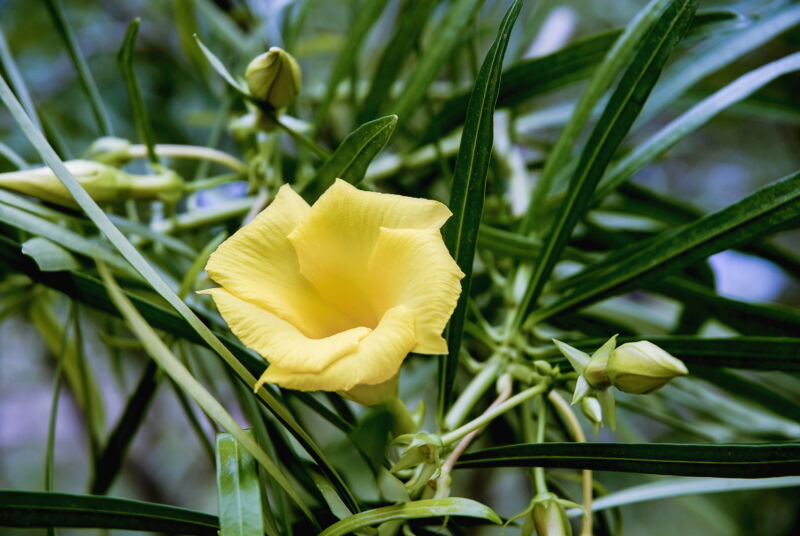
448,35
719,460
49,256
411,21
34,509
221,70
716,54
238,489
760,213
157,350
140,117
687,123
682,487
531,77
468,191
81,67
15,79
353,156
454,506
742,387
109,463
368,13
132,255
644,23
625,104
754,353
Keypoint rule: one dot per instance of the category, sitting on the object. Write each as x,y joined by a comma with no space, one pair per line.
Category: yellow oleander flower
336,295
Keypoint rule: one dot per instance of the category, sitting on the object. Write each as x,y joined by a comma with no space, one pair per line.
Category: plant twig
586,475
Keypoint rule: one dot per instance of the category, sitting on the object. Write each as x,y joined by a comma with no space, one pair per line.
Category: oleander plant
400,267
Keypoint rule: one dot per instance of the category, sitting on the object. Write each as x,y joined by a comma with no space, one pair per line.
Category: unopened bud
592,410
642,367
274,77
550,519
110,150
104,183
595,372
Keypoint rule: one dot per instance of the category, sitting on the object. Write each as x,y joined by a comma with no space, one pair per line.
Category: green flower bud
110,150
274,77
105,184
592,410
550,518
595,372
642,367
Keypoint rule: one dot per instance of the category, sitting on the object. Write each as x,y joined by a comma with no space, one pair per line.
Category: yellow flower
336,295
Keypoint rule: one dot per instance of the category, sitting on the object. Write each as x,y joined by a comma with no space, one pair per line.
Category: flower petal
413,267
376,360
258,264
279,341
335,241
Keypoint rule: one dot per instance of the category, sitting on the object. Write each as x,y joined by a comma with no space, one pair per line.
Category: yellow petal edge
336,295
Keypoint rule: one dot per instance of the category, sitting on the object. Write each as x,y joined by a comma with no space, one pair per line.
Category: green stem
211,216
299,137
192,152
541,423
211,182
486,418
403,421
473,392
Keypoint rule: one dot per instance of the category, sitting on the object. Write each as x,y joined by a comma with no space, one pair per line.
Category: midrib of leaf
129,252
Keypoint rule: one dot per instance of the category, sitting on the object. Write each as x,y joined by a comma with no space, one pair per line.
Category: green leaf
449,33
67,239
682,487
130,253
687,123
49,256
353,156
746,318
532,77
757,214
468,191
756,353
109,463
751,390
81,67
33,509
624,105
411,21
239,491
157,350
651,30
716,54
454,506
140,116
12,156
367,13
720,460
218,66
15,79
